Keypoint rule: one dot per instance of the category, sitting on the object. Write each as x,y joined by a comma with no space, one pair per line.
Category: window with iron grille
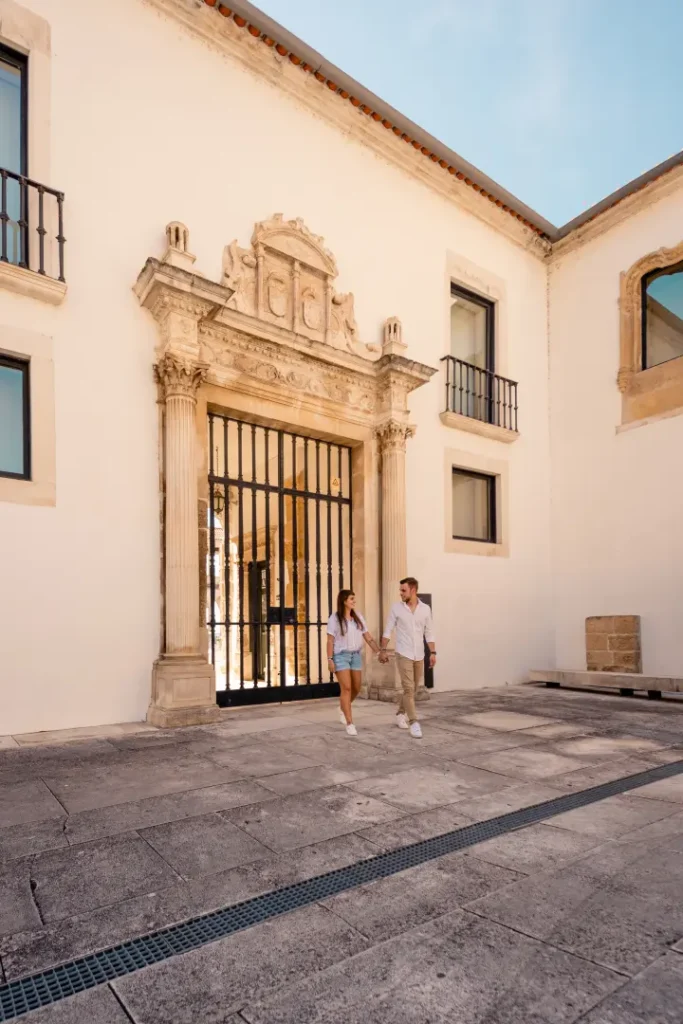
15,419
474,506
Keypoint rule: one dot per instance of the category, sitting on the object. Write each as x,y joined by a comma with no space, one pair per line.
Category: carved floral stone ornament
392,436
274,327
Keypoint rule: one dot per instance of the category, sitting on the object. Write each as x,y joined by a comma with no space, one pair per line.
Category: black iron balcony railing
31,225
480,394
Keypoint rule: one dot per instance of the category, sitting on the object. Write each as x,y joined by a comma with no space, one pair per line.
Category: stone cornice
225,36
625,209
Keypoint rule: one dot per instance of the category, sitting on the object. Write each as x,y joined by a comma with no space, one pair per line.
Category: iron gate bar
307,588
51,986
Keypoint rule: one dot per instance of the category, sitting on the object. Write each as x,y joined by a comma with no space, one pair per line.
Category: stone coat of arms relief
286,278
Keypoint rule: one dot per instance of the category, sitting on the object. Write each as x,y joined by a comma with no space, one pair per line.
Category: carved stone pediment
274,328
286,278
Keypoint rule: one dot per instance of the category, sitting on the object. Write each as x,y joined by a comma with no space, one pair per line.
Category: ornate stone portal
273,342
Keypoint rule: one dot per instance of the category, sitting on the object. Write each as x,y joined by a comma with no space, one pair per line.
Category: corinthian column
183,691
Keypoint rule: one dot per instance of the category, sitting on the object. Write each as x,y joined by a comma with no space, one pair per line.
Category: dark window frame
644,282
24,366
491,482
20,61
490,307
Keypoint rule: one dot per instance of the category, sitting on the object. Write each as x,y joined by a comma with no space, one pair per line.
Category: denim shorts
348,660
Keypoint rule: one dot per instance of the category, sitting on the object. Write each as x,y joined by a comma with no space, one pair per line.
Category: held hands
383,657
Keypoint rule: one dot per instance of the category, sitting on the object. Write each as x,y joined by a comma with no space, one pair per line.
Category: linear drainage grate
38,990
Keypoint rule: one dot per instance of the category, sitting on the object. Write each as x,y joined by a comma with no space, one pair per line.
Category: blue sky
561,101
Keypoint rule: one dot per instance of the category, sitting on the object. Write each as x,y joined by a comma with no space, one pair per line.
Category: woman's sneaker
402,721
351,730
416,731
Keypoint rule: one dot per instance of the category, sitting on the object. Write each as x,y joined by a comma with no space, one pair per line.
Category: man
412,620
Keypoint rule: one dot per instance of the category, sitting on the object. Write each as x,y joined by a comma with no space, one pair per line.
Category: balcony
31,238
480,401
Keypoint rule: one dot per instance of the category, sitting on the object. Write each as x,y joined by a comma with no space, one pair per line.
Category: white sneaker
342,717
402,721
416,731
351,730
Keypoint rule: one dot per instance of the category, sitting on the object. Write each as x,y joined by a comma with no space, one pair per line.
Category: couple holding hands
411,619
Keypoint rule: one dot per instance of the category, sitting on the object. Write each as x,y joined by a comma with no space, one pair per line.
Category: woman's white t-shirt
352,639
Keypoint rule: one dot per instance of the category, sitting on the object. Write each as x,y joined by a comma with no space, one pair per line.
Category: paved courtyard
111,834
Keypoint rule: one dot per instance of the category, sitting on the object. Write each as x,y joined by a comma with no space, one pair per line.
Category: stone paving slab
384,908
287,823
211,983
34,837
654,997
526,763
18,911
506,721
415,827
203,845
537,848
418,789
23,802
458,969
102,786
98,823
613,817
99,1006
85,877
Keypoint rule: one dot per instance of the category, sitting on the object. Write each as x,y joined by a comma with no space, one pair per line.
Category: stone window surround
656,392
454,459
38,350
27,33
474,278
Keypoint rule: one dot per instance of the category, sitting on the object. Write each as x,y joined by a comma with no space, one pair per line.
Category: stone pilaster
392,438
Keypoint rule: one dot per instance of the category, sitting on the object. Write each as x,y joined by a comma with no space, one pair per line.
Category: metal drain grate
37,990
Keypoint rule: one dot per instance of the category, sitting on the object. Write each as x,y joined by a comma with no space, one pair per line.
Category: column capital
178,378
392,436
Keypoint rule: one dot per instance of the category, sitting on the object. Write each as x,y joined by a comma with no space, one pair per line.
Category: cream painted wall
149,125
616,497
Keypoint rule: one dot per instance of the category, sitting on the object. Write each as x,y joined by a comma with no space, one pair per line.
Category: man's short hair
411,581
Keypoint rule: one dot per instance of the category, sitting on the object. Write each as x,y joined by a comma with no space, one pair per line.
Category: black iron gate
280,547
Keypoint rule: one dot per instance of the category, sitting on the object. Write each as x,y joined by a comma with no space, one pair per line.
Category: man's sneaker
416,731
351,730
402,721
342,717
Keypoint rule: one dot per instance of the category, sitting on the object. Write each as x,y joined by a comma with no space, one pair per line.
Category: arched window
651,345
662,300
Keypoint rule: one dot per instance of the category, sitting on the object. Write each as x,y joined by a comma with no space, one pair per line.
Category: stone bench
625,682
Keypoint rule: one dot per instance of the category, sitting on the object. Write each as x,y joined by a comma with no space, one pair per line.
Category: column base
381,682
183,693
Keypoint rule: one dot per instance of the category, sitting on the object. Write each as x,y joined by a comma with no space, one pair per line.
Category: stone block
626,642
627,661
627,624
599,624
600,661
596,642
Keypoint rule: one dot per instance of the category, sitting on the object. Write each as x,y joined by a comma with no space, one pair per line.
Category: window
472,321
13,151
474,506
15,434
662,311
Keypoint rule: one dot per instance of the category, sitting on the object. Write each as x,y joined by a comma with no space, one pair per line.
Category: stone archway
274,342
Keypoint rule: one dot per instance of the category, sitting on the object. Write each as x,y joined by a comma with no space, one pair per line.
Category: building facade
262,338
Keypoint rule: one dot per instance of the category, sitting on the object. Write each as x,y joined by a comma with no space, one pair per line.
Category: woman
346,631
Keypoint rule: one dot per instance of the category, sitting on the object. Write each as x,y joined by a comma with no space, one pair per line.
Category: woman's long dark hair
341,601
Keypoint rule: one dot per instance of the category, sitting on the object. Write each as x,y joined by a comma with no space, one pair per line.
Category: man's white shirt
412,629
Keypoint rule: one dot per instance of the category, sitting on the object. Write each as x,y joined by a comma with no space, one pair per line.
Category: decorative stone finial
393,343
178,252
